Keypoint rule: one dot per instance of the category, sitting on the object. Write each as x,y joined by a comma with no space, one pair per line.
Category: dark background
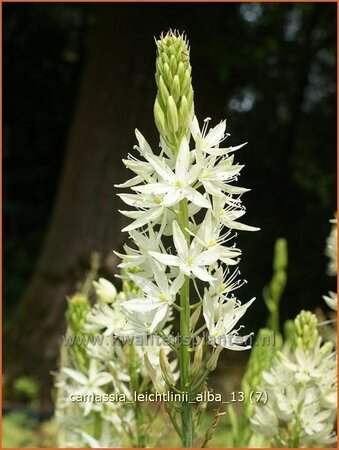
77,80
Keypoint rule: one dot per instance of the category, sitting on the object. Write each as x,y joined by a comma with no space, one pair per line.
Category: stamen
204,128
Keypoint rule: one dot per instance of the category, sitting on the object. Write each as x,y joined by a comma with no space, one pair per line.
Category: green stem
185,362
97,425
174,421
201,381
140,437
167,341
195,305
199,330
297,428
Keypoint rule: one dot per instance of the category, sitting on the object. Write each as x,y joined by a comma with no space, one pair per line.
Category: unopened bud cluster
78,307
173,107
262,354
305,331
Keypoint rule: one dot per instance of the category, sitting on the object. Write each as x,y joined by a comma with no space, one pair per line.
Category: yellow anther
163,297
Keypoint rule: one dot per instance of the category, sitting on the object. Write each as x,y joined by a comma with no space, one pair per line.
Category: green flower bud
280,255
167,74
213,361
195,317
186,83
153,376
172,115
173,63
166,368
197,358
159,117
181,70
163,91
173,77
183,109
165,59
190,101
176,88
326,349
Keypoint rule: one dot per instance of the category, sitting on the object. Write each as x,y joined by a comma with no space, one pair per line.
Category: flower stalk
173,110
134,376
185,357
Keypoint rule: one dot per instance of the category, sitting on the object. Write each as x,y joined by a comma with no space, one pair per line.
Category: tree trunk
115,96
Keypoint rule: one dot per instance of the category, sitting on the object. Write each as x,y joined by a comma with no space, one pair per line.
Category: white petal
223,151
229,261
152,188
202,274
161,168
183,158
208,311
331,300
235,189
216,134
142,168
103,378
87,407
232,317
177,283
158,317
164,258
132,199
193,174
140,305
240,226
130,214
144,147
197,198
232,345
214,188
224,172
179,241
77,376
93,443
149,216
206,258
195,129
129,183
160,277
172,197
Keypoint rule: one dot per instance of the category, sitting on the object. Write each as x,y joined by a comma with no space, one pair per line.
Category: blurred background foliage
269,68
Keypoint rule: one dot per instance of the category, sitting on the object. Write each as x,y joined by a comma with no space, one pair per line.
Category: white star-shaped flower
175,185
221,315
90,384
159,296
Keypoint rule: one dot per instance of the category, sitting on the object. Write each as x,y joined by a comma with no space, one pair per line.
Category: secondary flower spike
173,107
